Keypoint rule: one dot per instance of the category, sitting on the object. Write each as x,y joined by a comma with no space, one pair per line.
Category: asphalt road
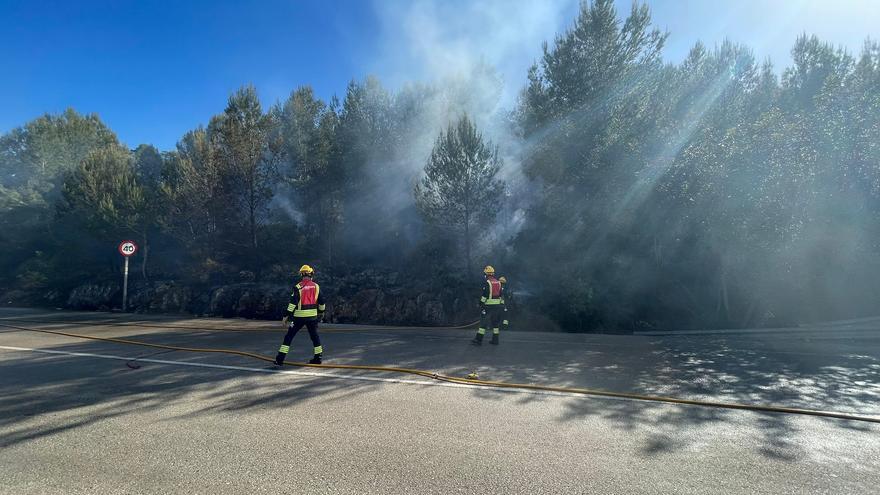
94,417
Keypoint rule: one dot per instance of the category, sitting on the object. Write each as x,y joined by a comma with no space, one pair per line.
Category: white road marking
323,375
300,373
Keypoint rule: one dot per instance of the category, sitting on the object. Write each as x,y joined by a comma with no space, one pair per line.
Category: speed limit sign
127,248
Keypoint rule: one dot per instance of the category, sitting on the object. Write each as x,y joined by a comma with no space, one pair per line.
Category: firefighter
492,305
505,323
307,307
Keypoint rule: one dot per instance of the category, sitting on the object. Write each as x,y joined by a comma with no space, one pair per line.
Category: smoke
444,59
284,205
433,40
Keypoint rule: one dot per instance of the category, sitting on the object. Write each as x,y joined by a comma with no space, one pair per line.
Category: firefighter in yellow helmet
307,307
491,307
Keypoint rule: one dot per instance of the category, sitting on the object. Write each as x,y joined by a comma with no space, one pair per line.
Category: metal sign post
127,250
125,285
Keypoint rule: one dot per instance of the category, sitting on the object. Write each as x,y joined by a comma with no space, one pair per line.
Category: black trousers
295,326
492,317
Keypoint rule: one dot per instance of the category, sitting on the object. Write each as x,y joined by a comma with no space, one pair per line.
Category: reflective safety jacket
306,300
492,292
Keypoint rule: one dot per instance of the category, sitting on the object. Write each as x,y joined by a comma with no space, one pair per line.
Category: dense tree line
623,191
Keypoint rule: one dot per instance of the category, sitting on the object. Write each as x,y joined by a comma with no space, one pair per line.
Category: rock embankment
363,298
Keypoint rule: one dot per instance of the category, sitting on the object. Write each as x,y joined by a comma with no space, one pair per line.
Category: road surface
79,416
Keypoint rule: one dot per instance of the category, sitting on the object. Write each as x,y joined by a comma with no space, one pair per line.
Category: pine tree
247,158
307,130
103,194
460,190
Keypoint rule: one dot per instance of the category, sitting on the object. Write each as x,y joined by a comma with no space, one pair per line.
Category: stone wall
349,300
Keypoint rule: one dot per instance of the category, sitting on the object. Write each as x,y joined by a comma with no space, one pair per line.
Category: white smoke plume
473,58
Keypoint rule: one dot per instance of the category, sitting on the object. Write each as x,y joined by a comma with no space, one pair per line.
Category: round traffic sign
127,248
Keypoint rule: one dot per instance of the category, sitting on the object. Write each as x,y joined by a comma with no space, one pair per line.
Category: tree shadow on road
62,387
759,370
69,392
748,372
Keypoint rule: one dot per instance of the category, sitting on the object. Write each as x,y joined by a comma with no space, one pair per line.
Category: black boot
316,359
494,340
279,359
478,339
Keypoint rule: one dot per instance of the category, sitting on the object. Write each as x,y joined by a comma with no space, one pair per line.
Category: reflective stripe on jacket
306,300
492,292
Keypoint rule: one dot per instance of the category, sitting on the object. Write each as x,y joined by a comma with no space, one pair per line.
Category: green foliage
460,190
46,148
246,160
700,194
191,189
34,160
705,193
307,130
103,194
218,184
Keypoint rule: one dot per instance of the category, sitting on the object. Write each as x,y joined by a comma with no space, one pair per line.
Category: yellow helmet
502,279
489,270
306,270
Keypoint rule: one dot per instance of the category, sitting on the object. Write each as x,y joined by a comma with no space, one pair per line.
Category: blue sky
153,70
